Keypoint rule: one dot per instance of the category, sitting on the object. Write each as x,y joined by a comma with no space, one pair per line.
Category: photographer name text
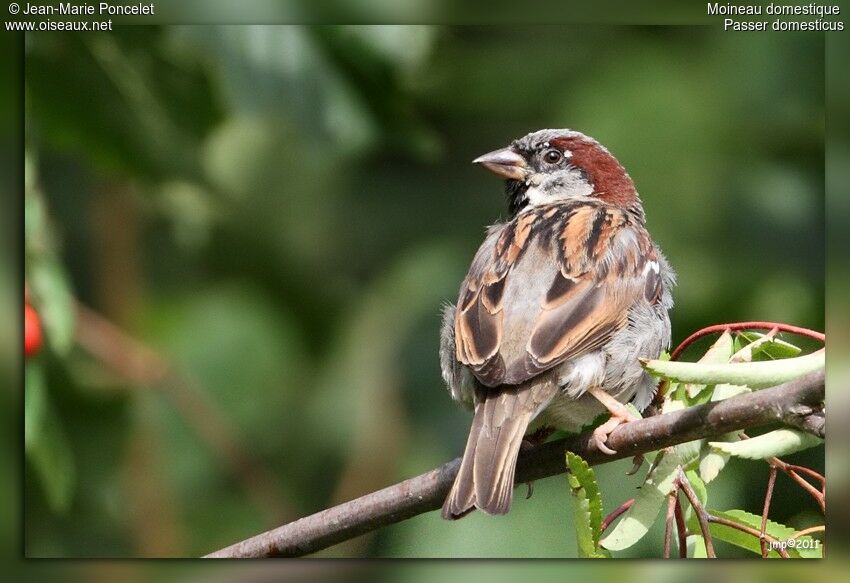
98,9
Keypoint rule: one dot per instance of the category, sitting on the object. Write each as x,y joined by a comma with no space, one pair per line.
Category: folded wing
553,284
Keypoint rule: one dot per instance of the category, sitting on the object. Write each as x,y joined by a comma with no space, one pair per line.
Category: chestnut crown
550,166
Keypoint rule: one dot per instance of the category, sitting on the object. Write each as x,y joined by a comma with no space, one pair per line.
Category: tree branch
426,492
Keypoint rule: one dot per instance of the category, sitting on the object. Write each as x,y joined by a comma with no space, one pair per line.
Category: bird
560,303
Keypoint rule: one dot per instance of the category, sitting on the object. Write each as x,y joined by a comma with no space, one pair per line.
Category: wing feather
598,262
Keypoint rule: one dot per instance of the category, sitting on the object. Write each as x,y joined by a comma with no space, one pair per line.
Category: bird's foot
619,414
601,433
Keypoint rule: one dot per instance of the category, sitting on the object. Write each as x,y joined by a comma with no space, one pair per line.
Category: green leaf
52,460
689,453
748,351
53,301
725,390
587,506
582,476
719,352
633,410
35,402
672,405
637,519
772,444
34,211
696,546
698,486
747,541
773,348
752,374
712,462
701,397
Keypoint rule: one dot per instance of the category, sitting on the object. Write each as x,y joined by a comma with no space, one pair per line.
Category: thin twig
619,511
427,491
771,480
668,523
816,494
699,511
747,529
681,529
792,472
808,471
805,531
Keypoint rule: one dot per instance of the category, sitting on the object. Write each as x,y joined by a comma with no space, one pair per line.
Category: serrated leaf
52,460
587,505
752,374
772,444
747,541
774,348
581,523
637,520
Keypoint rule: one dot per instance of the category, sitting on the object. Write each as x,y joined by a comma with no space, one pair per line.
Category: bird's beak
505,163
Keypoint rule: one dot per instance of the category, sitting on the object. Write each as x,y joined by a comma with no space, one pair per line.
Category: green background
279,212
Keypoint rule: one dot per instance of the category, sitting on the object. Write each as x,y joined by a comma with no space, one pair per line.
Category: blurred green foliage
278,212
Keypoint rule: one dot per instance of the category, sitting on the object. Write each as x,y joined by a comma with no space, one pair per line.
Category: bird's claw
601,433
637,462
530,491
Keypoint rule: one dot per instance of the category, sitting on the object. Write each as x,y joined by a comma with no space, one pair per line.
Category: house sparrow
559,304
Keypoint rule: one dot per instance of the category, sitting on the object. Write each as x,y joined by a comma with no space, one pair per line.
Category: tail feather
485,479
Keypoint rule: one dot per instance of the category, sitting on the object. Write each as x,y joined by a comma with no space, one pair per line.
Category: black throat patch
516,193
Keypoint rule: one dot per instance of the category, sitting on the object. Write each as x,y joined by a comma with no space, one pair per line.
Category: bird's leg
619,414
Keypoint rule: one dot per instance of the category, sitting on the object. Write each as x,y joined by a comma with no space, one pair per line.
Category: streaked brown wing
579,324
478,330
594,258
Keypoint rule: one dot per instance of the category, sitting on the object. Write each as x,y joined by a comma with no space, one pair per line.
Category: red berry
32,332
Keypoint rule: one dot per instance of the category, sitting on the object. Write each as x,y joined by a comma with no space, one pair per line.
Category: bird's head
550,166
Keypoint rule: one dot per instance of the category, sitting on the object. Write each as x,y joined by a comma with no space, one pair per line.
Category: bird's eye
552,156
